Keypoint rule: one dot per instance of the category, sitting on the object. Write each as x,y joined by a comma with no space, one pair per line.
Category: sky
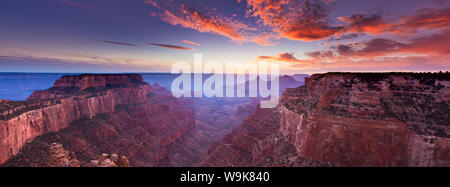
303,36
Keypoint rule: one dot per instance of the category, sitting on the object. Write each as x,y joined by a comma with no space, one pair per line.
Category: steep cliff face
256,142
345,119
215,118
370,119
93,114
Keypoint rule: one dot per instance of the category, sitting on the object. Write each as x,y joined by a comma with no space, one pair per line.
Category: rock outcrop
349,119
93,114
111,160
59,157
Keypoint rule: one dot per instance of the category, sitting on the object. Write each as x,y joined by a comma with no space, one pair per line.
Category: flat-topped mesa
73,84
98,80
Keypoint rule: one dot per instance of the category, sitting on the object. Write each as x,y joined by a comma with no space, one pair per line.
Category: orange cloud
195,20
191,42
428,53
171,46
372,24
177,13
414,63
423,19
307,23
305,20
433,45
296,20
283,57
426,18
436,44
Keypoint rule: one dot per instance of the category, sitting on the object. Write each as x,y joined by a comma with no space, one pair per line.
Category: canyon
347,119
95,114
335,119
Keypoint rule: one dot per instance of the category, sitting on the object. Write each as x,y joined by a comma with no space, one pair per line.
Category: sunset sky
151,35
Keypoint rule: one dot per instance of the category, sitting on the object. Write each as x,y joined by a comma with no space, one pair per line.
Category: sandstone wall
350,120
15,131
347,119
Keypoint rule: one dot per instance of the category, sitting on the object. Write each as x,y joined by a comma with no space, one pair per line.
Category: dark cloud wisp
118,43
171,46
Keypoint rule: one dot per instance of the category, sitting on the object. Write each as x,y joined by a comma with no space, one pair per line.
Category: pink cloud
283,57
191,42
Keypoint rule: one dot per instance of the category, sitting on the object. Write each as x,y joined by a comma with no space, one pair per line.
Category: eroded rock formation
336,119
59,157
92,115
256,142
349,119
110,160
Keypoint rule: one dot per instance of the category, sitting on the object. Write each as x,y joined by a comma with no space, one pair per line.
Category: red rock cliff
75,98
347,119
370,119
256,142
